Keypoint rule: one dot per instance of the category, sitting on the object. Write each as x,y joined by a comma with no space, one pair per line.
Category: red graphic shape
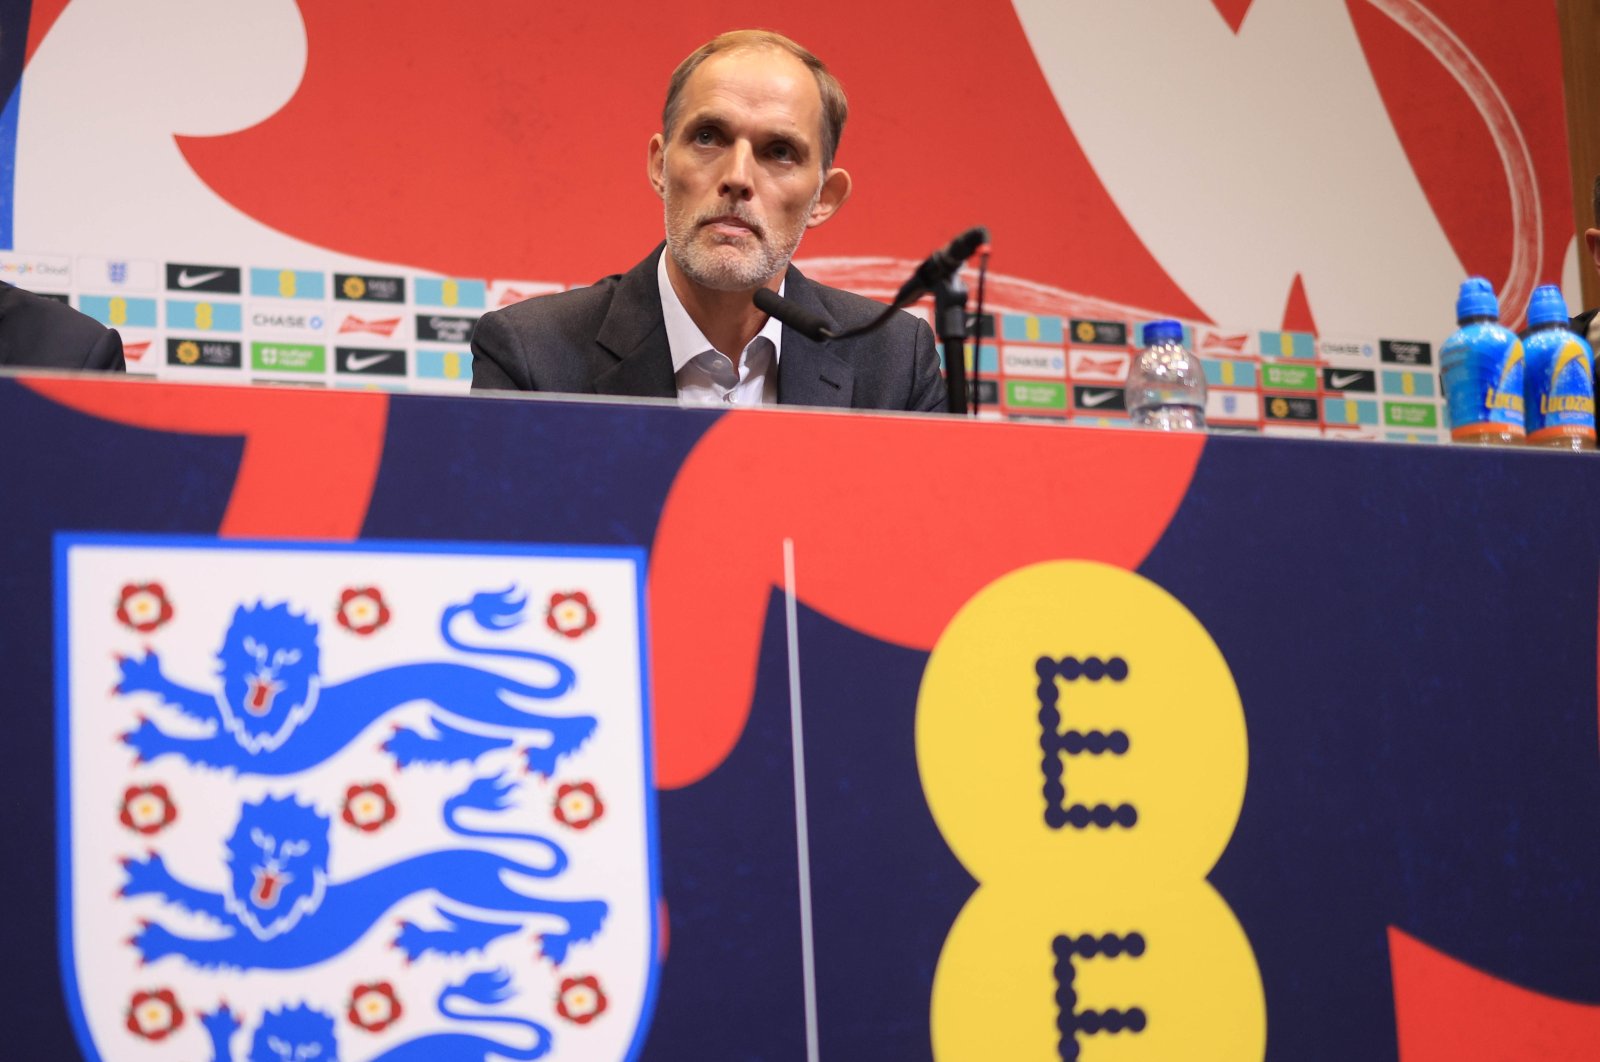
548,192
1447,1011
891,537
1448,144
1297,311
1233,12
41,16
310,459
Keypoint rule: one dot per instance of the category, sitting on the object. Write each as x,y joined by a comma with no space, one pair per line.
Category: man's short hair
835,108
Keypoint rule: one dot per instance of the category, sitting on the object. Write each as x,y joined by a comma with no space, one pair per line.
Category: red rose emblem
368,807
578,805
362,610
143,607
147,809
154,1015
374,1007
581,1000
570,614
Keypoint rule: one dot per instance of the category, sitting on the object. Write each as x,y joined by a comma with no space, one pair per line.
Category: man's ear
1592,238
655,164
835,190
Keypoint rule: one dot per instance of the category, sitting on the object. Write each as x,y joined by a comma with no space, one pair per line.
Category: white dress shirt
705,375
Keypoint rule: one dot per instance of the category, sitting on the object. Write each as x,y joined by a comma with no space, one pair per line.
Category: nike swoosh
189,280
1100,399
1337,381
357,363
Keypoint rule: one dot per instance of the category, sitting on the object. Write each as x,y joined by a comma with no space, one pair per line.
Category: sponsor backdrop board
207,240
364,731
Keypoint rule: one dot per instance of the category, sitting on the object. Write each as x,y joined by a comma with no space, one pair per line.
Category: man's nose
738,171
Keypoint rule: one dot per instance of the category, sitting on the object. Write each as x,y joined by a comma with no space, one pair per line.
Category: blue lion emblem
281,912
271,714
301,1034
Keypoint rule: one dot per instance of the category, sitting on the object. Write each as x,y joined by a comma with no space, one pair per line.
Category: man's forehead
765,77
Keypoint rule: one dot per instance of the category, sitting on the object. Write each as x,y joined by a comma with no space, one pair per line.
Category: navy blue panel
62,470
1407,766
519,471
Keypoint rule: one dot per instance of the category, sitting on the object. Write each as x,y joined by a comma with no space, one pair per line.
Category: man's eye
705,136
782,152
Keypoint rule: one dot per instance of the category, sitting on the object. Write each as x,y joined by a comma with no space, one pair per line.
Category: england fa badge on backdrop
353,802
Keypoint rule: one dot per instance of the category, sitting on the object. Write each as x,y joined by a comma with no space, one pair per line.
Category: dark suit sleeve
927,385
106,353
497,362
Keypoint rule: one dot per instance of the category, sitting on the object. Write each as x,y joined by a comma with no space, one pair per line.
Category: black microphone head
966,245
801,320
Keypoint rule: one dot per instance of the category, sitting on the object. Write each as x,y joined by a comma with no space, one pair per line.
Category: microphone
796,317
941,265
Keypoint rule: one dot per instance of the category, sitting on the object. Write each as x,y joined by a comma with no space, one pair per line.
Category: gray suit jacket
611,339
42,333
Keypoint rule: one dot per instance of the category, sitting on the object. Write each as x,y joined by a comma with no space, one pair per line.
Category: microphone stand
950,325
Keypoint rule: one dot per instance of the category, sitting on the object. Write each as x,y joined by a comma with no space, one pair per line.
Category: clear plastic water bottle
1166,386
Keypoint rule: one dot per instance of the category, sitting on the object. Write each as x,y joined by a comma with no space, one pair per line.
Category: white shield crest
354,802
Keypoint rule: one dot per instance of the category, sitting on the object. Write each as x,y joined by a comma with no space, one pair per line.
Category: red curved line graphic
310,458
896,523
1527,244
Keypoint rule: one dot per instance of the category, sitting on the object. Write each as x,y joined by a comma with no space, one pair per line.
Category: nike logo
1096,398
360,362
187,279
1336,381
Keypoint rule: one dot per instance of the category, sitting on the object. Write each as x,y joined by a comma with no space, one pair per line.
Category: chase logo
437,328
361,287
205,353
220,280
480,881
308,320
1029,361
288,284
1405,352
1100,333
451,293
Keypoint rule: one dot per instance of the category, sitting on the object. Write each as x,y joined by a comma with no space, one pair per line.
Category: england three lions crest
354,803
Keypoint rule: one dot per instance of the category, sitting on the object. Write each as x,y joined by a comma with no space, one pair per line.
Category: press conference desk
902,736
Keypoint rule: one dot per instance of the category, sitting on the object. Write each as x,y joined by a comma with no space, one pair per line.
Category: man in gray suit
743,166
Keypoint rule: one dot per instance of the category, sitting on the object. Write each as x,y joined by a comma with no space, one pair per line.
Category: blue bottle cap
1162,332
1476,299
1547,306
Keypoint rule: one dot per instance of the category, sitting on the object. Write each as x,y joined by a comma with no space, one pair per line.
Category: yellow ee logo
450,293
286,283
119,310
202,315
1083,752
